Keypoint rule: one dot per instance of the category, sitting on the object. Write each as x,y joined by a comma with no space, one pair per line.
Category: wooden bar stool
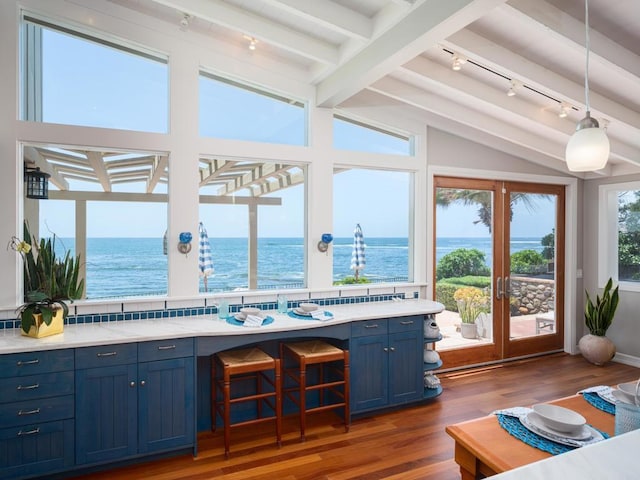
250,363
316,355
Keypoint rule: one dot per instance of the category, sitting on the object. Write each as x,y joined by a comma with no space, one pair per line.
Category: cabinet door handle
28,412
375,325
132,384
407,322
143,383
29,432
166,347
21,363
385,349
28,387
106,354
393,349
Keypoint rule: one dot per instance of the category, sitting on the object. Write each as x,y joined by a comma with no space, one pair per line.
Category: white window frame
608,234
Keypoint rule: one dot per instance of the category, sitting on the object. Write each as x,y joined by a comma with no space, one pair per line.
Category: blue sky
128,91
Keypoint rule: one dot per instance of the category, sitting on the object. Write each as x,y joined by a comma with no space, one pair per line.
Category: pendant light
588,147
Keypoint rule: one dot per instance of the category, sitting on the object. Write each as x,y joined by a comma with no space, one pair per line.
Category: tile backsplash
158,309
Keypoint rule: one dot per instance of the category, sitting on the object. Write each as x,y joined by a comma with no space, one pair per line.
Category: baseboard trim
627,359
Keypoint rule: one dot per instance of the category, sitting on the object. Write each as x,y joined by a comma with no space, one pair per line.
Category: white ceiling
397,53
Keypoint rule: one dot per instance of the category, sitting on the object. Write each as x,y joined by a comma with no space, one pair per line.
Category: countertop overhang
106,333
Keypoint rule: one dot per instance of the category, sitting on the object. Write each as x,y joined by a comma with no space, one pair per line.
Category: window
235,111
124,197
75,78
351,135
379,202
253,213
619,242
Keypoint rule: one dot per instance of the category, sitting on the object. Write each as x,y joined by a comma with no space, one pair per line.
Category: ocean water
122,267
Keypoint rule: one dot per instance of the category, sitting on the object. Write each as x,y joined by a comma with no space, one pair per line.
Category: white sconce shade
587,150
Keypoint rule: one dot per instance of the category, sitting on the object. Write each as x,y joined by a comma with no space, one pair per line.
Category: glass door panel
499,268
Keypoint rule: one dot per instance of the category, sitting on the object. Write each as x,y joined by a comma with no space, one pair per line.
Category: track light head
457,61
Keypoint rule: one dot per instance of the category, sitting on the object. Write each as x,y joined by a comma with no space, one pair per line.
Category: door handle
507,286
499,288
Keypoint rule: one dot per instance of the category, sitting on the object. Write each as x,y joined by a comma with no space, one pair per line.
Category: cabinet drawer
36,386
369,327
165,349
36,449
106,355
35,411
403,324
29,363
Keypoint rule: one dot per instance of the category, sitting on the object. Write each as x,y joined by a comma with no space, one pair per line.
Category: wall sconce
184,242
37,183
323,245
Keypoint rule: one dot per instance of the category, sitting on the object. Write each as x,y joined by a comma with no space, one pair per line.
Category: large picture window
379,203
119,203
253,214
349,134
619,245
236,111
75,78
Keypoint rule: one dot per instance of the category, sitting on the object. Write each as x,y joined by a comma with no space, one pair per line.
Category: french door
499,249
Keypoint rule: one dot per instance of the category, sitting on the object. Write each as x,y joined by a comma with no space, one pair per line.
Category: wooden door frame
502,347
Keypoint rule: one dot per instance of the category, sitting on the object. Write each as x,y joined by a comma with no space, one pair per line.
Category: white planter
598,350
469,330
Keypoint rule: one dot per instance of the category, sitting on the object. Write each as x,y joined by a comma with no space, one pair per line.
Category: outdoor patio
521,326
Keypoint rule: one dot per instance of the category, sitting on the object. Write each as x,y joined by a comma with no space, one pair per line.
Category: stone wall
531,295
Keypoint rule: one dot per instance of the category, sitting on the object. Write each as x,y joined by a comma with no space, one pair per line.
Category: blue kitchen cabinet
139,400
386,363
36,413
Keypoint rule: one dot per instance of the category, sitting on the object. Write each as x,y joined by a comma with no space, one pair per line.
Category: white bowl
559,418
628,391
250,310
309,307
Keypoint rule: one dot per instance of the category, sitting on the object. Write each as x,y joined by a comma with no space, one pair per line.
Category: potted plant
49,283
598,315
471,302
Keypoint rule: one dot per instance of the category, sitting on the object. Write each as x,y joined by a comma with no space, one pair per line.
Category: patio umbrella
205,261
357,255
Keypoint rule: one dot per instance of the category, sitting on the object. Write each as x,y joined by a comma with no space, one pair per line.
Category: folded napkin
597,389
253,321
319,315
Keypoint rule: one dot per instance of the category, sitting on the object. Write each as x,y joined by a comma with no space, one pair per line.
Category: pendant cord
586,72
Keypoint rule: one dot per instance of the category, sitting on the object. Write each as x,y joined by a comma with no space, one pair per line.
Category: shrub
461,262
445,289
527,261
351,281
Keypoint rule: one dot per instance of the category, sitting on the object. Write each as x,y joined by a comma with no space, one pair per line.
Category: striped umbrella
205,261
357,255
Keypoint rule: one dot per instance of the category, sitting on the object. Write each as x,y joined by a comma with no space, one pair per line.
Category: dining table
484,448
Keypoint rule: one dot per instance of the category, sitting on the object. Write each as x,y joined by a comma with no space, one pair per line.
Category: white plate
588,434
299,311
241,317
607,396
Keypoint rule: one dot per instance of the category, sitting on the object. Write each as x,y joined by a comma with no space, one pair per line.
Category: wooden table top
497,449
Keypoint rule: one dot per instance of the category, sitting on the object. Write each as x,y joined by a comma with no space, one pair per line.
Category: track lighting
184,23
457,61
513,89
588,148
252,42
563,110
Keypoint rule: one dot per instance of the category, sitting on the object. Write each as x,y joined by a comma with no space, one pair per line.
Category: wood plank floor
406,444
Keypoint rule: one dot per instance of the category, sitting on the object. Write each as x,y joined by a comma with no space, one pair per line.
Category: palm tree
482,198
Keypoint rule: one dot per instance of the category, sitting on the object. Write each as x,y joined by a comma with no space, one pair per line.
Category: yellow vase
41,329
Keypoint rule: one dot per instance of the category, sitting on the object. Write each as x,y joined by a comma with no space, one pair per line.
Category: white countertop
11,341
615,458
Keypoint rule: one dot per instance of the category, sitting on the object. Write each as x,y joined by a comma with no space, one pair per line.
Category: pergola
232,181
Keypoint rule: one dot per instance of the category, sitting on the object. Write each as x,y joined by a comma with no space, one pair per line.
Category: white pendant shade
587,150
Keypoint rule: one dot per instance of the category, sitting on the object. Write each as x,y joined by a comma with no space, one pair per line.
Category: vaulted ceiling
398,54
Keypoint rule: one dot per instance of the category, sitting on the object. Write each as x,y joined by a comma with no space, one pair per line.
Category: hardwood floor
406,444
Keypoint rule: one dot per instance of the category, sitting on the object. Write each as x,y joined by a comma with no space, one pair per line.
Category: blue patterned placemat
232,321
515,428
601,404
293,314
